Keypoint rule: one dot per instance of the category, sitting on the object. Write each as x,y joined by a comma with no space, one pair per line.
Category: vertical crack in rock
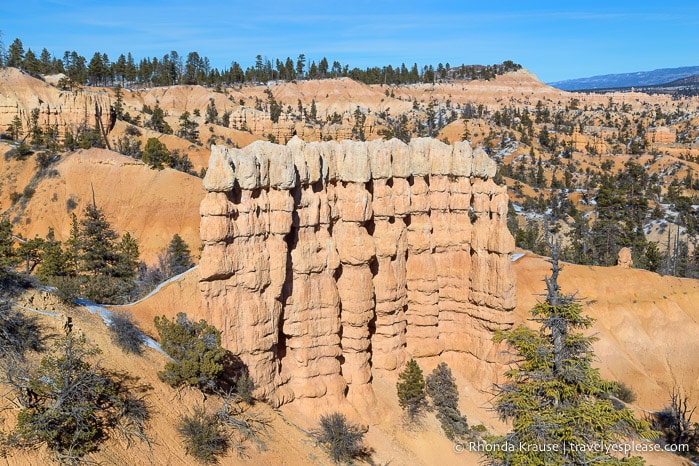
323,262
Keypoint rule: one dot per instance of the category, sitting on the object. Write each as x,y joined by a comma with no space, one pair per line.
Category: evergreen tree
128,257
411,390
15,128
554,396
540,180
300,65
441,387
358,128
118,102
188,127
55,262
226,119
96,243
29,252
178,257
157,121
652,258
70,404
34,128
31,64
15,54
106,268
313,113
8,258
343,439
579,249
275,108
73,245
156,154
211,113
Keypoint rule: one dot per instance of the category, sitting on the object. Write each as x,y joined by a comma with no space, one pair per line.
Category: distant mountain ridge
639,78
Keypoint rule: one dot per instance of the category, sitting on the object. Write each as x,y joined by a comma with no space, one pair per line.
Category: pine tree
15,54
29,252
156,154
54,261
128,257
8,258
34,128
157,121
178,257
104,268
70,404
118,102
411,390
73,245
313,114
188,127
441,387
15,128
97,243
553,396
211,113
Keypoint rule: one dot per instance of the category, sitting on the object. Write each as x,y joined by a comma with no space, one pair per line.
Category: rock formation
325,261
624,259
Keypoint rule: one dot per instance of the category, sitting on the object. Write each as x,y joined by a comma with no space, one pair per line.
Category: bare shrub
623,392
203,437
19,333
343,440
675,424
242,424
125,334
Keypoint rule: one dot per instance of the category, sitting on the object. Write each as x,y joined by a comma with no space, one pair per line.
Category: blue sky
555,40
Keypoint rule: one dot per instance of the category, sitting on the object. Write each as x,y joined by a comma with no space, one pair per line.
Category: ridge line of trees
173,69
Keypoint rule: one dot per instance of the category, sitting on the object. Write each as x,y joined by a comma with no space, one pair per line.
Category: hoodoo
325,261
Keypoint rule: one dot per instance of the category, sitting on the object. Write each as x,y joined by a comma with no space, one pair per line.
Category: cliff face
323,262
61,110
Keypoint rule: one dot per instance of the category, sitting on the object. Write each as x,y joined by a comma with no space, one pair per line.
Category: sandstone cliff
324,262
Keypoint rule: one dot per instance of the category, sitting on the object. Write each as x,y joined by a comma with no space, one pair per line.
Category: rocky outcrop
324,262
624,258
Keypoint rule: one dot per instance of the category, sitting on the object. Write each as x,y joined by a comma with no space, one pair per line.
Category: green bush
203,437
343,440
195,347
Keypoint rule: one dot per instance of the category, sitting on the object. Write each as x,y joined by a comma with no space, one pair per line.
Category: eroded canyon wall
323,262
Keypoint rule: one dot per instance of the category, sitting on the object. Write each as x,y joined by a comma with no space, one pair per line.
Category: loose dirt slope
152,205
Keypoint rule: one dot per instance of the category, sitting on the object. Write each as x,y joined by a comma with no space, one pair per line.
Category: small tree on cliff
411,390
553,396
